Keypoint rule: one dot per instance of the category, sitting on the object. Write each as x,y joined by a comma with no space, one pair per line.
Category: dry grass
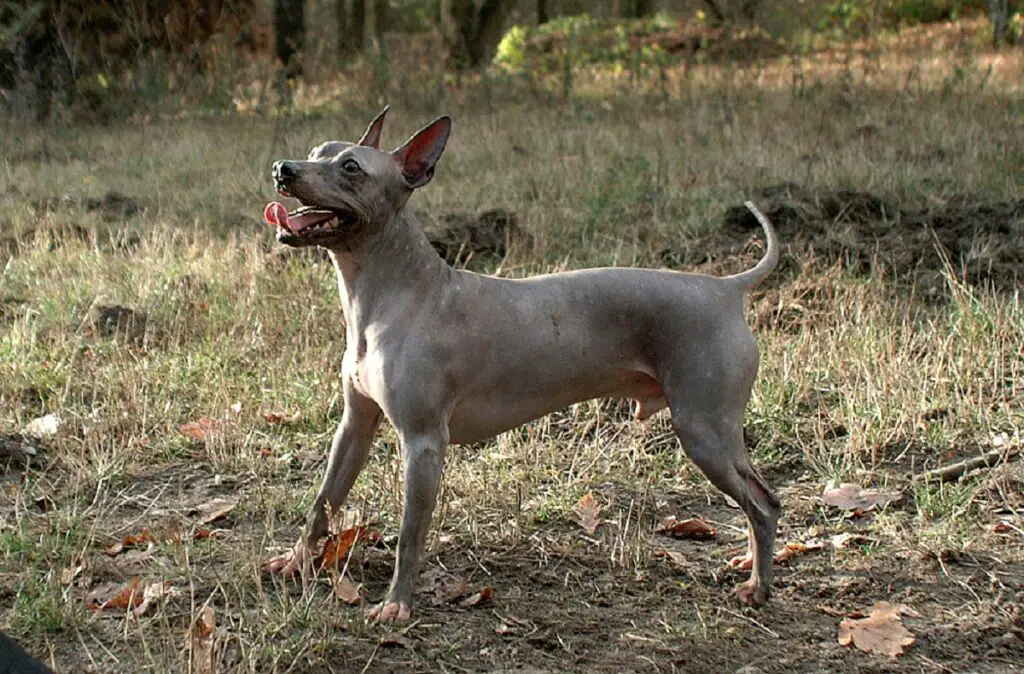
862,380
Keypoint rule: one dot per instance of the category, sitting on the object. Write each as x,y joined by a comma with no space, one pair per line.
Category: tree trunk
342,22
633,9
289,35
999,15
489,28
542,12
357,26
716,10
380,20
471,34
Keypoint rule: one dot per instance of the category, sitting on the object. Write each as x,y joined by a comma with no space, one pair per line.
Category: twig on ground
953,471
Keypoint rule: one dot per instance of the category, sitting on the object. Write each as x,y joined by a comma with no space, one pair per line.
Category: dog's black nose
283,170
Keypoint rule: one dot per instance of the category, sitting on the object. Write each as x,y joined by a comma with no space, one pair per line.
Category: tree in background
351,25
290,35
473,30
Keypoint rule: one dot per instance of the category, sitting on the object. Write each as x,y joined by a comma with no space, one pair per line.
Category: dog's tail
755,275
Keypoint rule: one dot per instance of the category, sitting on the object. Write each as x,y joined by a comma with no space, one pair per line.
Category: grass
864,378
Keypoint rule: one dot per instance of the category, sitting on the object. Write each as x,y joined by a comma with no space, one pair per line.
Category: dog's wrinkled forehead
328,150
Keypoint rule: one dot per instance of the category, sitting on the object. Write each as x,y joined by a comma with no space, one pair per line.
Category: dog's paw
390,611
288,564
751,593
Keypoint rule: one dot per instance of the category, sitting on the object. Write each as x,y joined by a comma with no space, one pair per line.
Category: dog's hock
420,154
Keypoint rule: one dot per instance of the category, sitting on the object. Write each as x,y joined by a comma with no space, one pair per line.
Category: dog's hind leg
707,405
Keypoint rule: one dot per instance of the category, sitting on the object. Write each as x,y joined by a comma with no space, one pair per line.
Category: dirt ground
561,599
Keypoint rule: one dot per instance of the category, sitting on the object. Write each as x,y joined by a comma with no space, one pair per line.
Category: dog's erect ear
418,156
371,137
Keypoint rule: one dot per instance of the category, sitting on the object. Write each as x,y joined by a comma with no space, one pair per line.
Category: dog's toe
390,611
751,593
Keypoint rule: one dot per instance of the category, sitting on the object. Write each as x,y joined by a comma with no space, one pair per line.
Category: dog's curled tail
758,272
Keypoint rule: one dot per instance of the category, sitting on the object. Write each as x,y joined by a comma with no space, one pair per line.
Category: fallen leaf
844,540
171,533
1002,527
200,534
153,594
481,597
43,427
144,537
71,573
451,591
337,546
211,511
114,596
881,632
848,496
282,419
137,556
200,429
694,528
588,513
791,550
204,628
677,559
346,590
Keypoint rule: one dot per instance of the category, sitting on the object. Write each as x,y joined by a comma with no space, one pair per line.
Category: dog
449,356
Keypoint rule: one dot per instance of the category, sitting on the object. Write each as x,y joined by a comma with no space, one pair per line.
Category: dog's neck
375,267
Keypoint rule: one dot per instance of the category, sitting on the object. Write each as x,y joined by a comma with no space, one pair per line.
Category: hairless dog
449,356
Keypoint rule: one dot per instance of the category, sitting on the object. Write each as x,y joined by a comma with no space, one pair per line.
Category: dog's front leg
424,462
349,449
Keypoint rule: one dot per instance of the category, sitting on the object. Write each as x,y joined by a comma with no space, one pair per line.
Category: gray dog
450,356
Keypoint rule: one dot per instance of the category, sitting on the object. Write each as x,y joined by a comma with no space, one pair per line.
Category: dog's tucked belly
476,418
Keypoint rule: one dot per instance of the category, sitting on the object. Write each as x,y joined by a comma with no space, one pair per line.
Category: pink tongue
276,214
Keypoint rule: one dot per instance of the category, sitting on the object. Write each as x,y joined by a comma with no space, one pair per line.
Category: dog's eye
350,166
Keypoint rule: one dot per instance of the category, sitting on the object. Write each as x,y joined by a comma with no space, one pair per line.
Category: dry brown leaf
1002,527
881,632
153,594
451,591
204,628
481,597
337,546
848,496
210,533
201,429
791,550
144,537
71,573
213,510
694,528
282,418
842,541
346,590
114,596
677,559
136,556
588,513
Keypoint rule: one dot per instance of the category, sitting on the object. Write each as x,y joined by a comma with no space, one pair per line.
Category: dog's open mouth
304,220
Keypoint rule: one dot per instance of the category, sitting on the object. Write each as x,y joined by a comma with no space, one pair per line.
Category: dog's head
344,188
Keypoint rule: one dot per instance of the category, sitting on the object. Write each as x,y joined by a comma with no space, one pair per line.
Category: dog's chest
363,366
